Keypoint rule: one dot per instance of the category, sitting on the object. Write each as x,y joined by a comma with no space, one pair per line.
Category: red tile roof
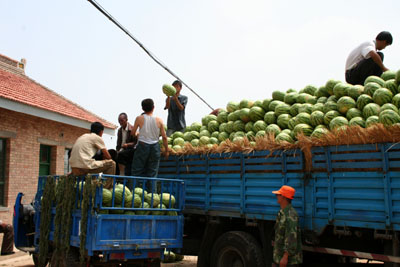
22,89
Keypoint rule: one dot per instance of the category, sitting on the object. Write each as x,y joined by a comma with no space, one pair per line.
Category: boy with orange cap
287,247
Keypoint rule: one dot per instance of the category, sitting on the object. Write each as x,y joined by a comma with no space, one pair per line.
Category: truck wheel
237,249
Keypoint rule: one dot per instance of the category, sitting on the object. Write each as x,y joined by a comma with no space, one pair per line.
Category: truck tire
237,249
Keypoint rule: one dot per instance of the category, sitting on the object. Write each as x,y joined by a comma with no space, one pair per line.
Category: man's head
123,119
383,39
285,194
178,86
147,105
97,128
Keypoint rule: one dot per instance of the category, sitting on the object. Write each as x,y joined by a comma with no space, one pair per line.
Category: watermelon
195,126
232,106
229,127
397,78
290,90
307,108
215,134
355,91
322,100
329,106
290,98
294,109
244,114
310,89
152,198
261,133
338,121
169,90
389,106
357,121
250,135
382,96
282,109
322,92
107,198
195,142
330,84
330,115
284,137
374,79
238,126
302,128
392,86
205,133
187,136
318,106
176,147
273,104
371,109
283,120
159,210
278,95
352,113
222,117
389,117
292,123
345,103
221,127
213,126
266,103
245,104
233,116
396,100
319,132
239,133
259,126
177,134
363,100
238,139
249,126
371,121
223,136
340,89
139,191
388,75
303,118
179,141
332,98
187,129
195,135
204,140
371,87
206,119
321,126
273,129
306,98
270,117
258,103
256,113
317,118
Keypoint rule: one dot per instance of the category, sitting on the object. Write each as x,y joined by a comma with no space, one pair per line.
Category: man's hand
166,154
284,260
124,146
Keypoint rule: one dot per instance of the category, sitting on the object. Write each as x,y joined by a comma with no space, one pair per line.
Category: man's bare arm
106,155
179,105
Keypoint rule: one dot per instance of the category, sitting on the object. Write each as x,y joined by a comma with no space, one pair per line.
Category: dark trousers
125,157
8,238
362,70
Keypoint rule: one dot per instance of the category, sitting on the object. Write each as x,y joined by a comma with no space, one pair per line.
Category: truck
115,235
347,198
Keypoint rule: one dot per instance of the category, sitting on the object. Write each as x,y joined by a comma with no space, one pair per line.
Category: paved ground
22,259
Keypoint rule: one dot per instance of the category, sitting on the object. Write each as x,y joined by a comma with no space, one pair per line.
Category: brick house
37,128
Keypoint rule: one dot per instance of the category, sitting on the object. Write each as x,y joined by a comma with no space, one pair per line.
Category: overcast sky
224,49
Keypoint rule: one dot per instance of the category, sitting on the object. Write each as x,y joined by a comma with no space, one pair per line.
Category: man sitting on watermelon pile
365,61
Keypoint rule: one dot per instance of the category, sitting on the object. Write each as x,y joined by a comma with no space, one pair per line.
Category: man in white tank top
147,155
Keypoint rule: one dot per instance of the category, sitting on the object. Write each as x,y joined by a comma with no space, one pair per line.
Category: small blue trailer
347,197
112,239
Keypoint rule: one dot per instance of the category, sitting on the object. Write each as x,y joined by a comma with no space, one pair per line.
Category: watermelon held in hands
169,90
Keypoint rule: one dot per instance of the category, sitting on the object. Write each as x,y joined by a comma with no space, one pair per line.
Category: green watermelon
322,92
250,135
345,103
332,98
317,118
215,134
318,106
177,134
204,140
258,103
169,90
382,96
303,118
292,123
290,98
374,79
259,126
273,104
249,126
363,100
352,113
306,98
302,128
371,109
371,121
273,128
389,117
261,134
244,114
233,116
396,100
188,136
355,91
329,106
397,78
232,106
223,136
291,91
330,84
179,141
213,126
205,133
229,127
238,126
319,132
245,104
107,198
371,87
340,89
195,142
294,109
307,108
310,89
176,147
357,121
330,115
389,106
278,95
284,137
388,75
221,127
256,113
270,117
392,86
195,126
266,103
283,120
222,117
322,100
282,109
338,122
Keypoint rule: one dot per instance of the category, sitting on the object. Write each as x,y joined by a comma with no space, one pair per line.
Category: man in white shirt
365,61
8,239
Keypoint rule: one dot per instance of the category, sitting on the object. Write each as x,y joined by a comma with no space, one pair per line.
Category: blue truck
347,198
114,239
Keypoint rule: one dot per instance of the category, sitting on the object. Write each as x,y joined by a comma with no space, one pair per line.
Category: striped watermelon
371,109
392,86
345,103
338,122
273,128
382,96
357,121
330,105
303,118
363,100
238,126
302,128
256,113
330,85
330,115
282,109
371,121
352,113
389,106
374,79
259,126
317,118
340,89
283,120
355,91
270,117
371,87
388,75
389,117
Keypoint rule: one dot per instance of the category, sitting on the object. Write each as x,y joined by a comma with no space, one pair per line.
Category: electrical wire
148,52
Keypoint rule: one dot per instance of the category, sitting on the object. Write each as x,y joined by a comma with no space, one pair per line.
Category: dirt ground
22,259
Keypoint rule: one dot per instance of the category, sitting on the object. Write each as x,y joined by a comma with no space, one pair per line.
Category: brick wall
24,134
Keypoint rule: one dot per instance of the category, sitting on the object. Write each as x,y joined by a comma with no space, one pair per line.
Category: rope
148,52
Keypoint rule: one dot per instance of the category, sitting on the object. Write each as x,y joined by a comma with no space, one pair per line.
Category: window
44,160
67,167
2,169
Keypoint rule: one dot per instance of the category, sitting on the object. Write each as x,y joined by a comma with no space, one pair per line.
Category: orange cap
286,191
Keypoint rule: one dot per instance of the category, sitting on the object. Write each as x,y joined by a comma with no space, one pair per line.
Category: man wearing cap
287,247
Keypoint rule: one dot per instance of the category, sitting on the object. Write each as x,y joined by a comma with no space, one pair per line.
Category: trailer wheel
237,249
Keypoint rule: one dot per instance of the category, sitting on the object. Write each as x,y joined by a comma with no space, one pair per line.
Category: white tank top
149,133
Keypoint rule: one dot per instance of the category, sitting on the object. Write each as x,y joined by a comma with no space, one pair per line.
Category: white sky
224,49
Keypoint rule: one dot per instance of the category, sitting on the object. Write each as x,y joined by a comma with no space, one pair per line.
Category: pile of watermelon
141,199
312,111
